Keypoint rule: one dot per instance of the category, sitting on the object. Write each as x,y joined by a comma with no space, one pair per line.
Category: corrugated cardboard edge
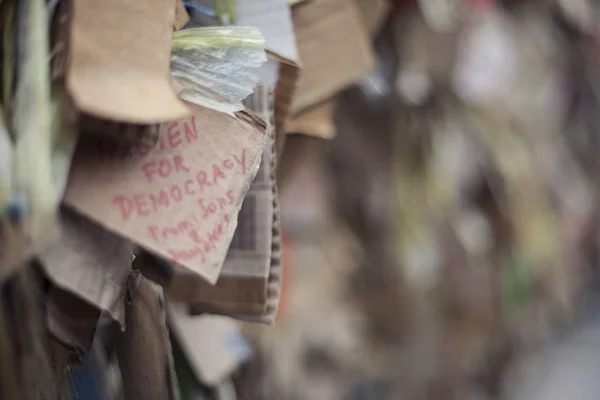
264,308
261,310
289,73
275,278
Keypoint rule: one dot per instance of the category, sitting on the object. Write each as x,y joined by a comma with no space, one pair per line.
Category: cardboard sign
249,284
120,55
180,199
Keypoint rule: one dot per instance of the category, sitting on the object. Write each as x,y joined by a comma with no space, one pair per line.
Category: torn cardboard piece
144,349
180,199
120,55
213,345
317,121
287,82
90,263
249,285
332,28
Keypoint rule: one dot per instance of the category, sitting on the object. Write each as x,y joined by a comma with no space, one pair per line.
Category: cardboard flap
334,49
285,90
180,199
144,349
120,56
89,263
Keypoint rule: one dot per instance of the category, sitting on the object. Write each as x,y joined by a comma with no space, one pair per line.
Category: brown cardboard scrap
317,121
144,349
90,263
181,15
209,342
179,199
334,49
249,285
120,60
287,82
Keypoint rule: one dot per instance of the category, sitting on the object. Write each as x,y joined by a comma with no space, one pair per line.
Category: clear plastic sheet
218,67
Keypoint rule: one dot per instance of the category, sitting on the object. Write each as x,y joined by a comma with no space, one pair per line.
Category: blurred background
443,244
